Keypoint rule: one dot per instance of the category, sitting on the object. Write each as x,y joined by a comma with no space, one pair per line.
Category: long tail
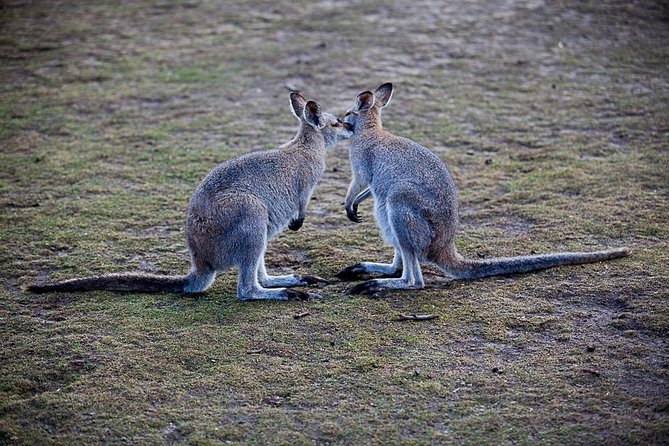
461,268
150,283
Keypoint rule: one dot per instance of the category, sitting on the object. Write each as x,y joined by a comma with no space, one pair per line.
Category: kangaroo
238,207
416,208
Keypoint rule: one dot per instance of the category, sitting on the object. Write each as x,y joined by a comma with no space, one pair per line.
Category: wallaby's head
312,118
367,108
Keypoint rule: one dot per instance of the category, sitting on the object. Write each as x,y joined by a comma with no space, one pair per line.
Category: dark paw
301,295
369,287
396,274
312,280
352,214
357,272
351,273
296,224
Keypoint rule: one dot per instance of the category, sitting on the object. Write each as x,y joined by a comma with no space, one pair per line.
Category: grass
111,113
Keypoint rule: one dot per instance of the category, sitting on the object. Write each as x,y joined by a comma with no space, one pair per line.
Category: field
552,117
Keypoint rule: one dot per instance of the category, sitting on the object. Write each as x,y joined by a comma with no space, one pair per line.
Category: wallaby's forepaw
301,295
351,272
352,214
312,280
296,224
368,287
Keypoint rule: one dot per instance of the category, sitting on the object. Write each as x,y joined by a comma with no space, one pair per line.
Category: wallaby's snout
334,129
328,125
350,119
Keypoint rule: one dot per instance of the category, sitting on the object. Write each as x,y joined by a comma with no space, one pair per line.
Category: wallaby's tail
461,268
150,283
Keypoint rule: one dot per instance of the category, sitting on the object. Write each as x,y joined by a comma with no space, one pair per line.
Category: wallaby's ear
384,93
297,103
365,100
312,114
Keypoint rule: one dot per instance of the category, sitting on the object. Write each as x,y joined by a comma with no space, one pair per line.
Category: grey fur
239,206
416,207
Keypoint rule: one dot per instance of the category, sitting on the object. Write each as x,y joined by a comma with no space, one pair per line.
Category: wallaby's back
274,177
397,160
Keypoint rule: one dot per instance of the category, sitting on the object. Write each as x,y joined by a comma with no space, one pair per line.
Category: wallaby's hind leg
393,269
251,249
287,280
412,236
358,270
412,278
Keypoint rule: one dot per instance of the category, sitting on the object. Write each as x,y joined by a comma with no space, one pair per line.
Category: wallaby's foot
363,288
278,294
291,280
301,295
360,270
374,285
307,279
353,272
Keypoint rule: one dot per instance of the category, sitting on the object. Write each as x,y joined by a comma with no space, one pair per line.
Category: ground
552,117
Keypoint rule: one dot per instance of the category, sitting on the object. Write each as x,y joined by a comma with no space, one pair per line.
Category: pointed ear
297,103
384,93
312,114
364,101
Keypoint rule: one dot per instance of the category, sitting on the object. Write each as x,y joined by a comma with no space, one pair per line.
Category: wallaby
416,208
238,207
